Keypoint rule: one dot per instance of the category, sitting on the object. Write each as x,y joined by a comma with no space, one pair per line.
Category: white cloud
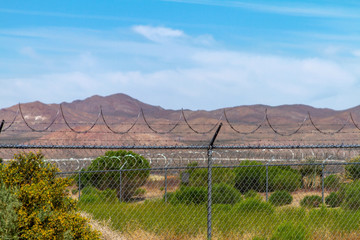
158,34
311,10
356,53
183,74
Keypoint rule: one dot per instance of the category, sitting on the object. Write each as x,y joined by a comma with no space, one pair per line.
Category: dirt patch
103,227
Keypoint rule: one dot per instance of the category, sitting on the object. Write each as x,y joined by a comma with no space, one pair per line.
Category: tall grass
244,220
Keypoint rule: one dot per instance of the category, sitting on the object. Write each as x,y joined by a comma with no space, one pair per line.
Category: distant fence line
182,117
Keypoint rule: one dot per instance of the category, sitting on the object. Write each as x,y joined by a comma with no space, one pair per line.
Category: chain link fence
217,192
249,199
208,191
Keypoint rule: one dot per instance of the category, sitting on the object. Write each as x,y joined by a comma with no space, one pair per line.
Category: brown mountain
121,112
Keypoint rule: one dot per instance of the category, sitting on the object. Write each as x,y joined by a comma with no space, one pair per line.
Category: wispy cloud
101,62
64,15
285,9
158,34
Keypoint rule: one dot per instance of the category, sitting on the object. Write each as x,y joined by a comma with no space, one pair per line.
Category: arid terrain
122,120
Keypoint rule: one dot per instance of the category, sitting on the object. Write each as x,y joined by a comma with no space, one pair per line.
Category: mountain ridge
124,106
122,113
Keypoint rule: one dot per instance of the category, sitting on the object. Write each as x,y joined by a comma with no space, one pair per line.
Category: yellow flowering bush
45,212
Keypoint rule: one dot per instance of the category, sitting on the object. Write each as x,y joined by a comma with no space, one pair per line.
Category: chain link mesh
253,196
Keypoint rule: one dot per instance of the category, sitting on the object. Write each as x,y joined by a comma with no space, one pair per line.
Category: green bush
131,180
189,195
311,174
252,194
251,205
8,213
311,201
249,178
46,212
353,170
254,178
310,168
332,182
140,192
280,198
225,194
198,177
333,200
290,231
91,194
221,194
352,196
281,178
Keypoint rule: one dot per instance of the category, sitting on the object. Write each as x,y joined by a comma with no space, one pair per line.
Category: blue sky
195,54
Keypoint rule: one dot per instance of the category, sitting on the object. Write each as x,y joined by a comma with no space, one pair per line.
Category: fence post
209,203
2,125
267,181
79,184
120,188
165,183
322,183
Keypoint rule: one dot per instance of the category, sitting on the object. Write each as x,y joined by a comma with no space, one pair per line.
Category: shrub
311,201
310,168
254,178
342,190
352,196
117,160
46,212
280,198
8,216
225,194
332,182
221,194
252,194
284,179
333,200
311,174
353,170
198,177
189,195
91,194
249,178
28,169
140,192
254,205
290,231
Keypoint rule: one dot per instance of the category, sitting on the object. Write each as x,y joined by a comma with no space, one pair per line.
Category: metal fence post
120,188
79,184
2,125
267,181
322,183
165,184
209,202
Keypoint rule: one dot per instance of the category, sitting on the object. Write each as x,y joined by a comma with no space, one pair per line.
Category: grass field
247,219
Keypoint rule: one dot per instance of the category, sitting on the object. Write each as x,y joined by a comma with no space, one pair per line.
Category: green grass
246,219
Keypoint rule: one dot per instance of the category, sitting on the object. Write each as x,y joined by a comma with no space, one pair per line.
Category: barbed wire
158,132
117,132
33,129
310,146
244,133
191,126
